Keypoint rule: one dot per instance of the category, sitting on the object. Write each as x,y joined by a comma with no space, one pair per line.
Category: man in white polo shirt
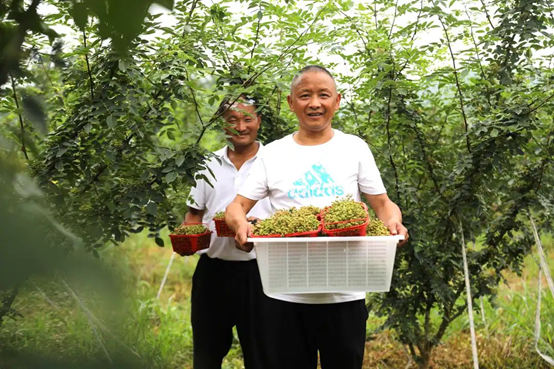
314,166
226,286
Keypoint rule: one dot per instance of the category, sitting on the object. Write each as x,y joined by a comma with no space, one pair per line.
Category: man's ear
259,121
337,105
289,100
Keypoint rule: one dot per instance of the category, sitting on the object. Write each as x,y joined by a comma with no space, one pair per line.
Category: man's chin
316,127
241,143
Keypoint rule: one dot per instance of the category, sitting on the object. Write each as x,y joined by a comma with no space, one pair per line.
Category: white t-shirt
226,184
290,175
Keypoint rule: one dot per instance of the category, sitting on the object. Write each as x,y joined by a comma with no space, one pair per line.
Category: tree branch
427,161
22,126
488,93
375,15
389,141
88,66
460,95
393,19
487,14
257,35
531,110
448,317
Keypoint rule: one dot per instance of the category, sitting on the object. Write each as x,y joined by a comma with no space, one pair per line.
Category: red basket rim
190,235
193,235
365,219
304,233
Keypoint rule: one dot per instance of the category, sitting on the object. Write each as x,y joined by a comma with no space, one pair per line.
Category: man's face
314,100
244,119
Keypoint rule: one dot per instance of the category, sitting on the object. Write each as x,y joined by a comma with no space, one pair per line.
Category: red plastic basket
188,244
357,230
223,229
306,234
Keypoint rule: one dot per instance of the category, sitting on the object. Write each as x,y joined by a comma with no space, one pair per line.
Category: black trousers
227,294
337,331
273,334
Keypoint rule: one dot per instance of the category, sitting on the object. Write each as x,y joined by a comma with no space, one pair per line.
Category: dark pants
227,294
337,331
273,334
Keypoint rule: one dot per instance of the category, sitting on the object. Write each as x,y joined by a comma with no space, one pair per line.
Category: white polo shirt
228,180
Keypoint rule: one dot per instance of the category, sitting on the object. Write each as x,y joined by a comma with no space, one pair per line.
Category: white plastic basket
326,264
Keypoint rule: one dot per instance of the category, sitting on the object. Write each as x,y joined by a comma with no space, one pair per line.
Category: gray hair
310,68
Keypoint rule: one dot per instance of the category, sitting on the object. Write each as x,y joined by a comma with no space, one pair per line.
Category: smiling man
312,167
226,286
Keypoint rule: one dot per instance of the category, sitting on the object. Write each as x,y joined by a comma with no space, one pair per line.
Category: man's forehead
314,79
240,109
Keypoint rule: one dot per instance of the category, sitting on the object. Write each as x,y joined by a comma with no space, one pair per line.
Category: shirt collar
223,153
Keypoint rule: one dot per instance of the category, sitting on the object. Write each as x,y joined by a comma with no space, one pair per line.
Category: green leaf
123,64
152,208
170,177
61,151
80,14
159,241
111,121
260,14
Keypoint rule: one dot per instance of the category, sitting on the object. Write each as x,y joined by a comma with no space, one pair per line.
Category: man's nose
314,103
239,126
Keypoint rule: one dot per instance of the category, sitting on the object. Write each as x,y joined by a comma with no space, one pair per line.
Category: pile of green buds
219,215
376,227
285,222
342,211
190,229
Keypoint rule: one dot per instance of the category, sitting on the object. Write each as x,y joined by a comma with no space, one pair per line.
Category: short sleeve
197,197
255,186
369,178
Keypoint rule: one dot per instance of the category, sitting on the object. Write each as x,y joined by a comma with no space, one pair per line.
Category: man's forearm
389,211
235,216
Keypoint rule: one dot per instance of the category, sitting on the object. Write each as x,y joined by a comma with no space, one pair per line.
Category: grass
54,325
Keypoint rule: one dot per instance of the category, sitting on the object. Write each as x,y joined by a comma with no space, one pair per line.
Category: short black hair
227,103
311,68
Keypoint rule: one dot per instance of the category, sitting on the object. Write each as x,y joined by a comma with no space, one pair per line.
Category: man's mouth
315,114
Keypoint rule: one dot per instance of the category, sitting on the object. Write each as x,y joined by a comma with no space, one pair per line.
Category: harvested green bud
377,228
190,229
289,221
344,210
219,215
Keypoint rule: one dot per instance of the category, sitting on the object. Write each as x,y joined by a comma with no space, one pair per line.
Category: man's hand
243,232
396,228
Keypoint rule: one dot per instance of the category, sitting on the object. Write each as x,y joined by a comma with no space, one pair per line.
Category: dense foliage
454,99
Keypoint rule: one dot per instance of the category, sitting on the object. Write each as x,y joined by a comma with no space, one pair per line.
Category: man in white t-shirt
226,286
314,166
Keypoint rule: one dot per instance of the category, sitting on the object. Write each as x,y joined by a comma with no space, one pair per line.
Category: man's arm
194,215
235,216
389,213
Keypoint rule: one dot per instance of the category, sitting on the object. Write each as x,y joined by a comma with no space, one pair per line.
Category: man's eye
324,95
303,96
248,120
